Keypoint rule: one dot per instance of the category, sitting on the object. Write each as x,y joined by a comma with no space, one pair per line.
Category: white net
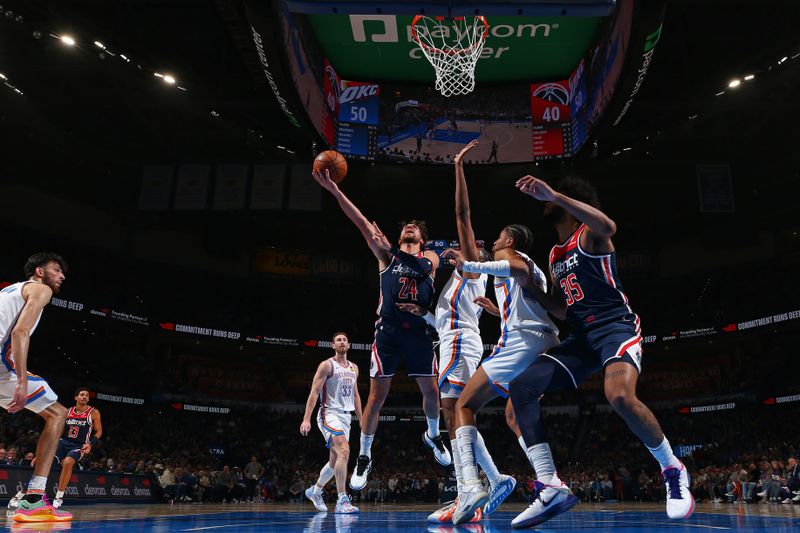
453,47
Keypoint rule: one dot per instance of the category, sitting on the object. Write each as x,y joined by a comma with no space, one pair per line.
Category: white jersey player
526,332
461,348
21,306
335,387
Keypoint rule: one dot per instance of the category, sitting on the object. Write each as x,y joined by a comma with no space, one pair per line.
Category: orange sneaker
41,511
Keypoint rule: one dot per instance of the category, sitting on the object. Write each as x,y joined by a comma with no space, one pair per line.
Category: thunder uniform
336,401
460,344
526,329
604,329
79,427
399,334
40,395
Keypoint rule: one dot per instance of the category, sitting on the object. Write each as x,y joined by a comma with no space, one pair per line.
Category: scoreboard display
351,124
558,116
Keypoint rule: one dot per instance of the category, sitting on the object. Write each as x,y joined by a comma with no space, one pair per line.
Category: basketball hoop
453,47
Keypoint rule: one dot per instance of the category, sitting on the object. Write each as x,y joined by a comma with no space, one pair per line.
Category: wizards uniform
77,433
400,334
604,328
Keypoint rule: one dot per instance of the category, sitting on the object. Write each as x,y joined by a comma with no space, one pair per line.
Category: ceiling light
169,79
783,59
98,44
3,76
749,77
124,57
720,93
627,148
734,83
69,41
157,75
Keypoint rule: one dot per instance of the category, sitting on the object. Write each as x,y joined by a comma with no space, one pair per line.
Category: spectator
3,456
223,485
252,473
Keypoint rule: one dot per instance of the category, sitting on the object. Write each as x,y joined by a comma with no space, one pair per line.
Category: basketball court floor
295,518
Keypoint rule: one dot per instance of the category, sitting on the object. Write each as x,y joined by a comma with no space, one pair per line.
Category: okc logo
552,92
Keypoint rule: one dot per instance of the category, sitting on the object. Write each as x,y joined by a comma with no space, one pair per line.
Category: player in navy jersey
406,276
83,428
605,335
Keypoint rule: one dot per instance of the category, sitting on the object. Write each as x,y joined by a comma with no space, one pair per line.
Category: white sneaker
343,506
13,503
552,501
444,515
470,499
440,451
499,492
316,499
359,478
680,502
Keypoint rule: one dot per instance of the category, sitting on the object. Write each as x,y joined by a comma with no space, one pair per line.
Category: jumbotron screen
515,123
396,117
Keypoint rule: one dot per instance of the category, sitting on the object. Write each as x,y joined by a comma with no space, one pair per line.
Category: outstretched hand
380,239
536,188
414,309
454,257
470,145
324,179
487,304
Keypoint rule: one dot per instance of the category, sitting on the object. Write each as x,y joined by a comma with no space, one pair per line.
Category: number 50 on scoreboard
359,103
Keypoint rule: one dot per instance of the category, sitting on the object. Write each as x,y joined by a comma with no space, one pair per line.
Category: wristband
430,318
498,269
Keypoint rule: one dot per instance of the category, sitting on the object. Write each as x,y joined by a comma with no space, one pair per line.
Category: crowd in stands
746,455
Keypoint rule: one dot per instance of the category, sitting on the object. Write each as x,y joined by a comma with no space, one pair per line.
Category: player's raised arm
599,224
366,228
37,296
324,370
466,236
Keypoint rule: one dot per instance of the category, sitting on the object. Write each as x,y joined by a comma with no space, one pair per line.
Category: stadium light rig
734,83
67,40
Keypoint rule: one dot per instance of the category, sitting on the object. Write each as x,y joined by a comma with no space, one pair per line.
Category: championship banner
89,487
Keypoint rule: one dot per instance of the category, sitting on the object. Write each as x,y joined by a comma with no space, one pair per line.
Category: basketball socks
664,456
457,463
366,445
541,459
433,427
59,494
485,460
325,475
466,437
36,488
522,444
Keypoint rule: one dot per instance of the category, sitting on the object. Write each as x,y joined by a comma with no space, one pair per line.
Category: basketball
334,162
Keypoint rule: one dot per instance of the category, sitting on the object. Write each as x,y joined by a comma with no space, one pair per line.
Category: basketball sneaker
13,503
552,501
440,451
316,499
444,515
680,502
359,478
343,505
40,511
470,500
499,492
